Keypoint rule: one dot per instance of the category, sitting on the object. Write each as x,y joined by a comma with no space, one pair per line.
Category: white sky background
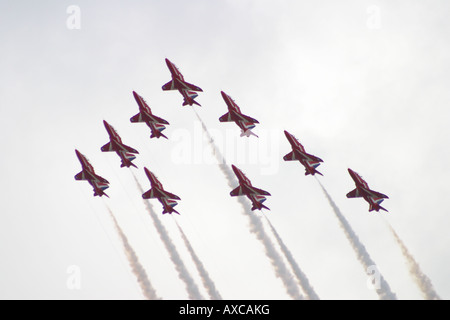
373,98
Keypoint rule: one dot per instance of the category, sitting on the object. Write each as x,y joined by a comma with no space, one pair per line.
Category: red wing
226,118
354,194
148,194
377,194
129,149
137,118
237,192
156,193
108,147
86,175
169,86
313,158
183,85
170,195
158,120
118,147
259,191
243,117
81,175
290,156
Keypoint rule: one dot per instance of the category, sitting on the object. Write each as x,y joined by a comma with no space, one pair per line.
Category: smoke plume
256,226
422,281
191,287
207,281
383,290
136,267
301,277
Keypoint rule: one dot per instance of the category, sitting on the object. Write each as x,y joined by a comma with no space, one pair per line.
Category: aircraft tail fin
158,135
99,189
376,205
313,172
127,160
169,207
248,133
190,100
259,207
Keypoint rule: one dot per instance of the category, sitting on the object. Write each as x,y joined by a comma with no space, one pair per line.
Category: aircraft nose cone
235,169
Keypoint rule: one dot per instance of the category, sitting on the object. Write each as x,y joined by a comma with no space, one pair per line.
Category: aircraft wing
296,155
377,194
354,194
137,118
114,146
226,118
361,192
313,158
246,190
151,118
290,156
183,85
259,191
169,86
170,195
86,175
178,84
242,117
129,149
108,147
156,193
156,119
237,192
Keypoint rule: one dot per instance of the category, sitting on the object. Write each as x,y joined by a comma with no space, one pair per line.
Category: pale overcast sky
361,84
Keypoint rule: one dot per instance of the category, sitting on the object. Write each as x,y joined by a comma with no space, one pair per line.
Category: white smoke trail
207,282
301,277
256,226
191,287
383,290
422,281
136,267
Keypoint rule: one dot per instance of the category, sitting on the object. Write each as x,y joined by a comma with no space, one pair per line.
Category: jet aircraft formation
234,114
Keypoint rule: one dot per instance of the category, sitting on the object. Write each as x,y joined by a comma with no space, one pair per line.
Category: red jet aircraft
186,89
362,190
234,113
155,123
309,161
245,188
157,191
87,173
115,144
